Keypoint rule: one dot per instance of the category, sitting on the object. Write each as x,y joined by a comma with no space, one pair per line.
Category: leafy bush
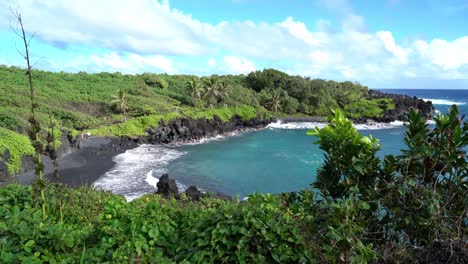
9,120
90,226
350,159
414,198
427,183
18,145
368,108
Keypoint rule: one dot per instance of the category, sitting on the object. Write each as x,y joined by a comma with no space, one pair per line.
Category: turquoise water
279,160
266,161
275,159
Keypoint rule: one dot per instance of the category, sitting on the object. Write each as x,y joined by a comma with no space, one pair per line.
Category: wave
312,125
444,102
377,126
296,125
132,176
215,138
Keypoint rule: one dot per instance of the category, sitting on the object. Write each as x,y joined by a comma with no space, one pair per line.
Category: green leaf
364,206
28,246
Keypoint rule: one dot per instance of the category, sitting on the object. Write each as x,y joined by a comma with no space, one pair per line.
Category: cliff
403,103
189,129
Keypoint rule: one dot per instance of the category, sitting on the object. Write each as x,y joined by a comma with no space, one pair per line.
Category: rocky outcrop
223,196
193,193
403,104
167,187
189,129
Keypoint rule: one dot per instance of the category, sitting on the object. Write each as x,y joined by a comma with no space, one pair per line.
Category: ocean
279,158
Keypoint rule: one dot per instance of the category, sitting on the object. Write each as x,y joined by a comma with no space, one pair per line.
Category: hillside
88,101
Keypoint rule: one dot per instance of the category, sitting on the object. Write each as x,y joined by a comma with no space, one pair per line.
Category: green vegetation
83,101
368,108
363,210
18,145
88,226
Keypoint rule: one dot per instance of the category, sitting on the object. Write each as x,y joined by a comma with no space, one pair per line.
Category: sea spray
444,102
312,125
137,170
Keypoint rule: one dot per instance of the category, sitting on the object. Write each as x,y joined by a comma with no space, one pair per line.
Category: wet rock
189,129
223,196
403,104
193,193
167,187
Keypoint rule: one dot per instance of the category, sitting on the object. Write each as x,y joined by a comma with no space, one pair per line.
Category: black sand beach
80,166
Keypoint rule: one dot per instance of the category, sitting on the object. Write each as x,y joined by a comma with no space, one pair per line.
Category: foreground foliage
91,226
412,199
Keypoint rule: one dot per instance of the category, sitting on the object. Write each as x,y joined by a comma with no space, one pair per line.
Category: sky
379,43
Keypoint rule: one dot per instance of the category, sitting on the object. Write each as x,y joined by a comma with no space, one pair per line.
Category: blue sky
380,43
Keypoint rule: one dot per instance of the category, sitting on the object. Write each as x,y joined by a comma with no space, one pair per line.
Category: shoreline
80,166
94,157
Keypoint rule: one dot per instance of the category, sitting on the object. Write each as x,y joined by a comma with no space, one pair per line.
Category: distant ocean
280,158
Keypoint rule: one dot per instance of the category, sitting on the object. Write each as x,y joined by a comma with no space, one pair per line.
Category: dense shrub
368,108
414,198
18,146
90,226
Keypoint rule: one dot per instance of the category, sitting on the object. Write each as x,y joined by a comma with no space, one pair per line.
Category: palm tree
121,100
223,90
212,92
195,87
275,101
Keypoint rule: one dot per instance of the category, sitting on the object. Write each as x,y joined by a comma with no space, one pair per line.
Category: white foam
132,175
153,181
312,125
296,125
215,138
443,102
376,126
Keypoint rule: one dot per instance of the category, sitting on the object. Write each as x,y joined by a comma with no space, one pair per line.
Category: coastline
91,158
79,166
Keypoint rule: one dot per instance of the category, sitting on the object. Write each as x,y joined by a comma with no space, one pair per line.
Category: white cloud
389,44
211,62
147,31
299,31
140,26
238,65
445,54
112,62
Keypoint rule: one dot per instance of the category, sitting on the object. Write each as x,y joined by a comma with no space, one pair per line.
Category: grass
139,126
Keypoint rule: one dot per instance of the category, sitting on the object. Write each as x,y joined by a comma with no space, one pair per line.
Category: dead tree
35,127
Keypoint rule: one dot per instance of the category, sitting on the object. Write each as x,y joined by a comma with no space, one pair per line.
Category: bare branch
38,60
16,31
31,37
19,51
